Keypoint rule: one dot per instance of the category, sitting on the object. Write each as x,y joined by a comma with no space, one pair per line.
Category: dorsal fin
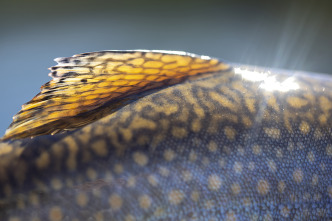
84,82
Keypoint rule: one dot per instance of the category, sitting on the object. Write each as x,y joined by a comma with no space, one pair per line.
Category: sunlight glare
268,81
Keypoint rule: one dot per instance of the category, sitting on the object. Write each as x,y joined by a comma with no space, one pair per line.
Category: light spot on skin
144,201
164,171
72,150
268,217
91,174
279,153
205,161
285,211
317,197
290,147
272,102
69,182
236,189
96,193
318,134
227,149
213,127
325,104
272,166
246,121
298,175
281,186
311,157
263,187
56,184
230,216
82,199
99,147
171,109
314,180
153,180
141,123
240,150
250,103
57,153
230,132
296,102
108,177
272,132
195,141
34,199
115,202
179,132
43,160
126,134
322,119
140,158
5,148
186,175
118,168
246,202
306,196
304,127
257,150
196,125
214,182
169,155
195,196
329,150
299,146
222,162
212,146
251,165
237,167
159,212
329,190
209,204
20,202
130,218
254,217
131,181
192,156
223,100
175,197
55,214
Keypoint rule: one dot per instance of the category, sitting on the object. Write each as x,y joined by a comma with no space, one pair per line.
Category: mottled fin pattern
83,83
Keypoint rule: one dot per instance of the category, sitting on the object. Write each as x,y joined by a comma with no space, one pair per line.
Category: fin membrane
85,82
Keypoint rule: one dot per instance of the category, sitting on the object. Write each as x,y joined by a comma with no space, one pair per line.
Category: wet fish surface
158,135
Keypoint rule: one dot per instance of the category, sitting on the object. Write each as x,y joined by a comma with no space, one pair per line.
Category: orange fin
85,82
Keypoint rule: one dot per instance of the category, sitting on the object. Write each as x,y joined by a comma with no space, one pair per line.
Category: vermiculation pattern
218,148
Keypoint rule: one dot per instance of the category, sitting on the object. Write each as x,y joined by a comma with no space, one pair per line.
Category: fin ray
85,82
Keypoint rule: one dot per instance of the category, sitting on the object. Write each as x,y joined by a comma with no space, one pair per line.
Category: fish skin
246,143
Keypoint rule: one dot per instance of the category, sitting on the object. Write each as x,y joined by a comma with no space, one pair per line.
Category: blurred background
294,35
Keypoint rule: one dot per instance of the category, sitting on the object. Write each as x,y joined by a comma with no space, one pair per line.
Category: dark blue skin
226,147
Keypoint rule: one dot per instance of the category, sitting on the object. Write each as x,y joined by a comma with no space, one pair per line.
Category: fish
165,135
